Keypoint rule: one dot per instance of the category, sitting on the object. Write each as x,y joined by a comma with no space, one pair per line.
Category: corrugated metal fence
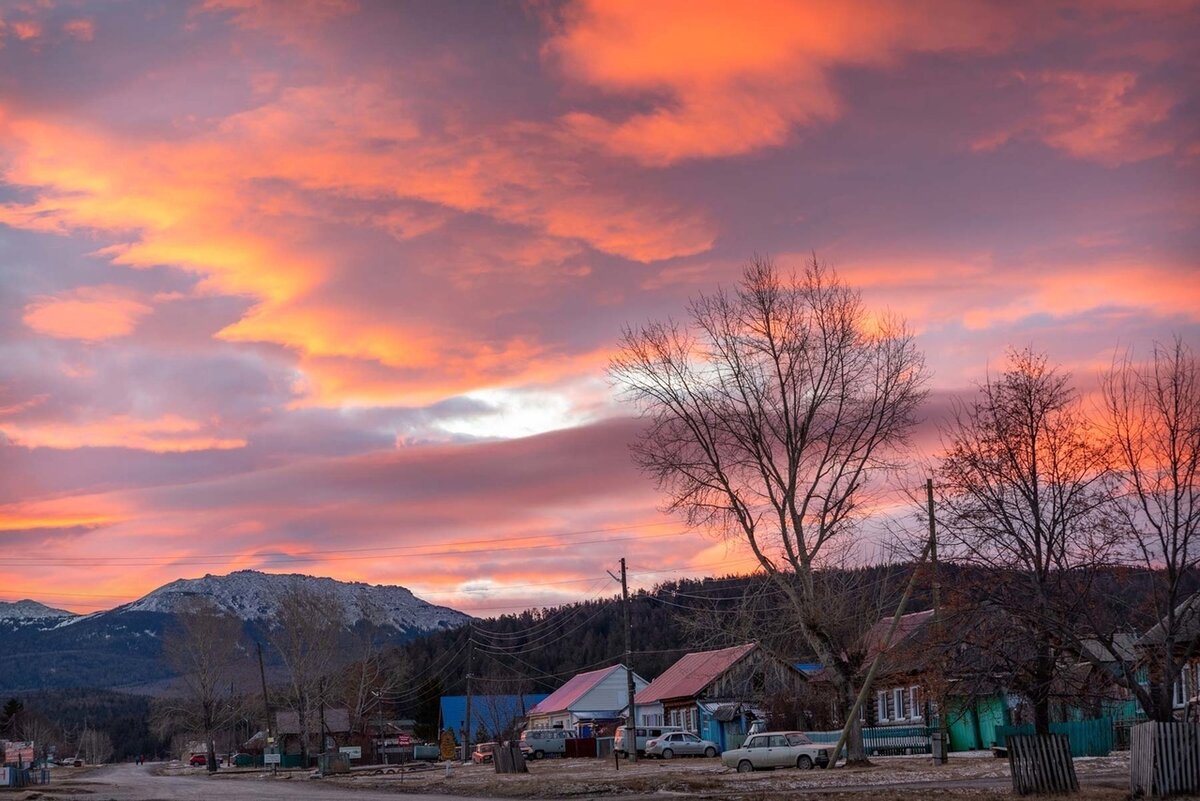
1087,737
1164,759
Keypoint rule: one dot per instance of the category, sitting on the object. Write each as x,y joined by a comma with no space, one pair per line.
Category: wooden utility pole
470,676
262,674
939,628
322,707
630,687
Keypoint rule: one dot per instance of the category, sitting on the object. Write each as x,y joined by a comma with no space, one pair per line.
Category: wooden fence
1164,759
1041,764
1087,737
508,758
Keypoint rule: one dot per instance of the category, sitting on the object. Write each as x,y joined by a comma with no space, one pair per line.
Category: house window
676,720
899,702
862,713
1181,693
881,706
690,725
914,703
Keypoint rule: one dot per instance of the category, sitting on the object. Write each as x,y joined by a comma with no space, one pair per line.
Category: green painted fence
884,740
1088,737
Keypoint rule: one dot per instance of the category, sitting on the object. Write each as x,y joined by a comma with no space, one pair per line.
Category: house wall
650,714
611,692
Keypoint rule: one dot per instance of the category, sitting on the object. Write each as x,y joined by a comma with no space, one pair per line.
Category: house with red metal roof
717,694
588,702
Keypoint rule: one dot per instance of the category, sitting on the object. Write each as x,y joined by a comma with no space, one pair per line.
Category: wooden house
717,694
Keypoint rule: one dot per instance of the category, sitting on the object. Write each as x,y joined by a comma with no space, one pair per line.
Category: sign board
352,751
272,759
403,739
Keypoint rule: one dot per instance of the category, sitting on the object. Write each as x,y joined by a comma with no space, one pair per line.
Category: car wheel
668,753
804,762
539,754
710,752
744,766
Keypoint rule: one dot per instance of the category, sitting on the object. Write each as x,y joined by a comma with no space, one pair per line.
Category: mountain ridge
44,648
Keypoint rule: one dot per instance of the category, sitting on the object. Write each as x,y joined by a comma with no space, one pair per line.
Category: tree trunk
1043,676
856,752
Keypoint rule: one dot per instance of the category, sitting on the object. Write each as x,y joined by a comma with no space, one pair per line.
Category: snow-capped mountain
254,596
122,648
31,611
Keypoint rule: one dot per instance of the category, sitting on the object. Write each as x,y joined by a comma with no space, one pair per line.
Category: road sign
272,759
352,751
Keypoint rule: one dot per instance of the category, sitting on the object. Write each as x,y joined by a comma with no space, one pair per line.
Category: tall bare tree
203,648
306,637
1024,493
1153,416
770,412
365,683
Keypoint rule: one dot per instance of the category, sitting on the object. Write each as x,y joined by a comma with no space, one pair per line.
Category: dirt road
127,782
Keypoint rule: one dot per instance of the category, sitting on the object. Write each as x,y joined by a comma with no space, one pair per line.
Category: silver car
777,749
680,743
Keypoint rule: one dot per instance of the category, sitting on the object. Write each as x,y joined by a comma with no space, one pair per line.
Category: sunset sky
330,286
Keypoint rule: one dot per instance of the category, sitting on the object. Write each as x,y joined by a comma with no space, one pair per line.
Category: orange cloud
82,29
87,313
167,434
727,79
1110,118
236,204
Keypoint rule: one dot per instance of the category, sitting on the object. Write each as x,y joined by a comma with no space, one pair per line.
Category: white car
777,749
680,743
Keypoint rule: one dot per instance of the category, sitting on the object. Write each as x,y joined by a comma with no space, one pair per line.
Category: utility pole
322,707
262,674
942,756
470,669
630,687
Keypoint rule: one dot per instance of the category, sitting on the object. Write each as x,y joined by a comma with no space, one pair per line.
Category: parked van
644,734
542,742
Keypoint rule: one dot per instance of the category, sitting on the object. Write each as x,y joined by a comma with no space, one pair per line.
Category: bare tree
203,648
1153,416
95,747
366,682
769,415
1024,493
306,637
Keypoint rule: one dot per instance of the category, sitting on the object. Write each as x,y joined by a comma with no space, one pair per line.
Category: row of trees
219,668
778,412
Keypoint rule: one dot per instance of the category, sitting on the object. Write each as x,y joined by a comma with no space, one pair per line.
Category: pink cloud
87,313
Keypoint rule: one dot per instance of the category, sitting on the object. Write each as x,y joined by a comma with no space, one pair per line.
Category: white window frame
898,699
914,703
881,706
1179,693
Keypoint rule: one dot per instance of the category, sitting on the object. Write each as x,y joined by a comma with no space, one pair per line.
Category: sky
330,286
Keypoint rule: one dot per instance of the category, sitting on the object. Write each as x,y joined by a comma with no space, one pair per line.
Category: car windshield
798,739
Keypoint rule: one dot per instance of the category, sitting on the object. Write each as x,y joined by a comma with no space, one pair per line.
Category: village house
588,703
919,666
287,730
717,694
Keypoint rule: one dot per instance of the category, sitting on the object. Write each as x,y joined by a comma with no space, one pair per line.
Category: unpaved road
128,782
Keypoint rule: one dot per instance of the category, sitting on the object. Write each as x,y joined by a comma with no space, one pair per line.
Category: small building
287,730
588,703
718,694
